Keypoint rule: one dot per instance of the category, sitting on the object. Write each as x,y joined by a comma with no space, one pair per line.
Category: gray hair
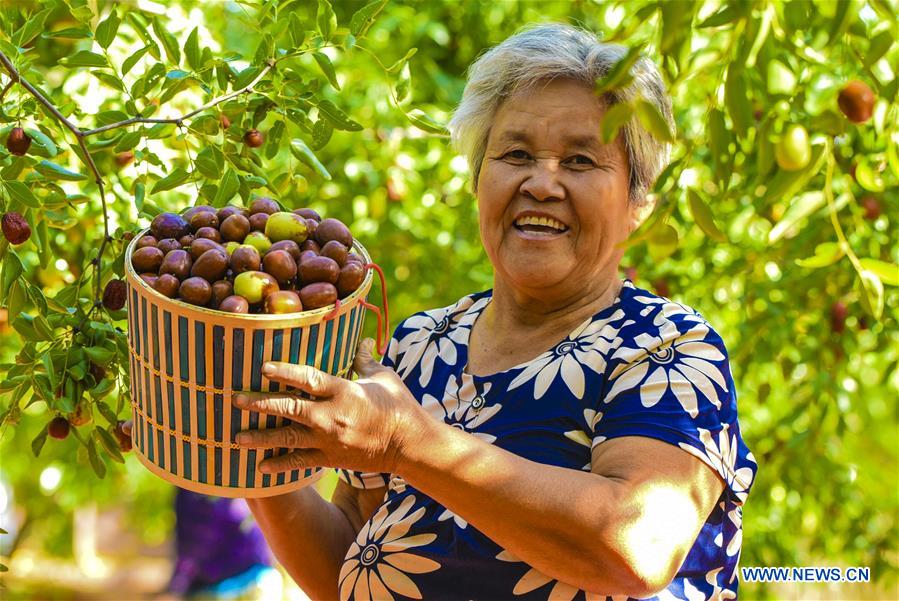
544,52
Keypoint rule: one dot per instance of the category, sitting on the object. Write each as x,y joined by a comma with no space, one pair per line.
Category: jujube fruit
115,294
286,226
872,208
258,221
318,269
18,142
235,227
189,213
168,245
146,240
123,436
306,255
147,259
350,278
123,158
167,285
234,304
82,414
254,286
318,295
195,291
169,225
177,263
264,204
226,212
838,314
186,240
311,227
793,151
335,250
308,214
856,100
210,233
58,427
290,246
253,138
280,265
356,258
283,301
311,245
201,245
231,246
333,229
15,229
226,123
211,265
259,241
149,278
204,219
245,258
221,290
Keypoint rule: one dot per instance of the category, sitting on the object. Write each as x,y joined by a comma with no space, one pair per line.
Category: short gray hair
550,51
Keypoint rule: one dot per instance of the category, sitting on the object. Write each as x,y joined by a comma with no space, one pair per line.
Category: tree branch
14,74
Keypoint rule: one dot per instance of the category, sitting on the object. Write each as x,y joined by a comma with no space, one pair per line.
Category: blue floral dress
644,366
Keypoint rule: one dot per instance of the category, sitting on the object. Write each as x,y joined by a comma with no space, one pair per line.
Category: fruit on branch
58,427
838,313
115,294
15,229
123,158
283,301
793,152
18,142
81,415
169,225
856,100
253,138
872,208
123,435
223,119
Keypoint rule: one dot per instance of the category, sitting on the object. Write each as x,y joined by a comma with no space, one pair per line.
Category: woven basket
187,361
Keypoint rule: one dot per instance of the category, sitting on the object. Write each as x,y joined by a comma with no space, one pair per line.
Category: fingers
365,364
275,403
293,436
306,378
297,460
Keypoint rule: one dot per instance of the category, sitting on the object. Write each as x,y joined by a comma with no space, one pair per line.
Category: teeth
545,221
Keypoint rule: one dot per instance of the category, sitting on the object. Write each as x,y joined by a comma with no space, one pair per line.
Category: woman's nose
544,181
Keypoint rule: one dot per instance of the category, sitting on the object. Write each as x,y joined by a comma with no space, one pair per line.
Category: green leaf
227,189
99,355
95,459
42,140
403,84
305,154
174,179
419,119
363,18
326,19
132,59
652,120
702,215
737,100
169,43
85,58
663,242
826,254
324,63
888,273
878,47
296,30
869,178
613,120
70,33
12,269
872,297
38,443
177,74
54,171
192,50
619,75
31,28
799,209
321,134
338,118
128,141
108,442
109,79
728,14
210,161
107,29
139,191
273,142
22,193
402,62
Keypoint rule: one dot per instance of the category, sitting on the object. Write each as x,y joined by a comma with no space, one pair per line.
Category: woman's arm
624,528
310,536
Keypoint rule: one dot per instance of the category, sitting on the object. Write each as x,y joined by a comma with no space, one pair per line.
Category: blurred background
795,266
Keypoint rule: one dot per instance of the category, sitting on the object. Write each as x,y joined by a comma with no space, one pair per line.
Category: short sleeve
370,480
670,380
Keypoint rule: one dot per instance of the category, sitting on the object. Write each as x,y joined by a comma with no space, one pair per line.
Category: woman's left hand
362,425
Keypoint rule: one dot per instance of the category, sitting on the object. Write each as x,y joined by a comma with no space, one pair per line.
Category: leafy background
351,112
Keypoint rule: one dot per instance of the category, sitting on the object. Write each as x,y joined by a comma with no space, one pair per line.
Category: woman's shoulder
642,311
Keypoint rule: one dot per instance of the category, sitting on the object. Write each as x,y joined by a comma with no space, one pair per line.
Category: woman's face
553,199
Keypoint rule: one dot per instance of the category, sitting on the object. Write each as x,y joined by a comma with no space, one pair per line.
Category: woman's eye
517,155
581,161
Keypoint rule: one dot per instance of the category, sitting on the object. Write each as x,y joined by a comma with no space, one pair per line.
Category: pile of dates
256,260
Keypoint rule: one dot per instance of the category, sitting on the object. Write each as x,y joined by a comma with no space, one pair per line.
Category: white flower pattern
647,358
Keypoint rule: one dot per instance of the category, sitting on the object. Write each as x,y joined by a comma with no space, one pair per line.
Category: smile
539,226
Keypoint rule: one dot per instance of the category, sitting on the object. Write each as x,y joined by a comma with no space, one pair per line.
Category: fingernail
268,369
242,438
241,400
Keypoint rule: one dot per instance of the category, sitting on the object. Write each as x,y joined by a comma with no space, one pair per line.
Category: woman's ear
638,211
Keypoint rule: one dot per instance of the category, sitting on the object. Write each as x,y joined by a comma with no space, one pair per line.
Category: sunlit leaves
363,18
324,63
55,171
174,179
85,58
619,76
326,20
107,29
613,120
305,154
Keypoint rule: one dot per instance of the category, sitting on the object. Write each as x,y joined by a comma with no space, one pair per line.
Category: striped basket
187,361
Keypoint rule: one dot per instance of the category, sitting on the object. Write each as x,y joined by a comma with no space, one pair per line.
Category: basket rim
134,279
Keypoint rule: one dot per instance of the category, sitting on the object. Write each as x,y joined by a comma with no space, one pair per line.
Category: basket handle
383,335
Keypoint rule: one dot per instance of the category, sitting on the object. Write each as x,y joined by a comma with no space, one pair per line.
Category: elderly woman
564,435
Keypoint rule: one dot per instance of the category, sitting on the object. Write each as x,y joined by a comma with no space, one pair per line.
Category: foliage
351,98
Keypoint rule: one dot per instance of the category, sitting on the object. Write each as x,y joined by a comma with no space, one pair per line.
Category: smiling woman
564,435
